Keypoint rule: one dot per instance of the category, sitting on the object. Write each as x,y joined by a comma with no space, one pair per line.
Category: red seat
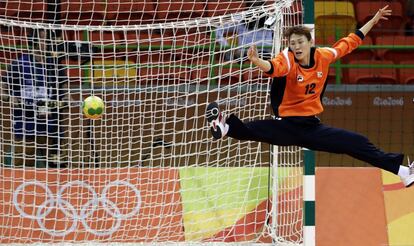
82,12
361,54
96,37
8,56
224,7
169,73
198,73
394,54
28,10
406,75
107,43
295,14
385,2
371,75
8,39
225,75
130,12
144,37
179,9
365,10
12,36
188,38
73,35
176,38
331,79
325,41
253,74
149,58
106,38
103,40
3,8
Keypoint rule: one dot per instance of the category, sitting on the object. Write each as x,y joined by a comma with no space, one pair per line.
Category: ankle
403,171
225,129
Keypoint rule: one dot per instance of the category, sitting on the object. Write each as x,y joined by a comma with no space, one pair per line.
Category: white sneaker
409,179
218,126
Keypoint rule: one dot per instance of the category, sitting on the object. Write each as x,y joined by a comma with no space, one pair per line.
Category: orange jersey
298,90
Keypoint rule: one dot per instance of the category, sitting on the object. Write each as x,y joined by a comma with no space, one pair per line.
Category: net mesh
148,170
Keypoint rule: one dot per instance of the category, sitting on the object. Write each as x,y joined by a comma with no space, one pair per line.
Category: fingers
385,11
252,49
382,14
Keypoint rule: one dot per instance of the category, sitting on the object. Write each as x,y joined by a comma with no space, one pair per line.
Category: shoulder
326,52
288,53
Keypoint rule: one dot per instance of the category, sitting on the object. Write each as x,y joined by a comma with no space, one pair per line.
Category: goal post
148,171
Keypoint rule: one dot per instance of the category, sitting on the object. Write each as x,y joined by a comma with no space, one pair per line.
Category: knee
357,138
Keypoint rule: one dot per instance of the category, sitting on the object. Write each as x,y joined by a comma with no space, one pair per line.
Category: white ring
69,210
35,183
113,229
84,185
137,196
53,232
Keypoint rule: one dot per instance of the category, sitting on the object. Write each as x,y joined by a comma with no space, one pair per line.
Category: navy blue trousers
310,133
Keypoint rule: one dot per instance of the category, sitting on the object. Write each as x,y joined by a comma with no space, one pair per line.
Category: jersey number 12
310,89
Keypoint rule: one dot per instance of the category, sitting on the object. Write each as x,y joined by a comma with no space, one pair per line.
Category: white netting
148,171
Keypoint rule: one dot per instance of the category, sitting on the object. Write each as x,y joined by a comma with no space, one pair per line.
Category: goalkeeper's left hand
381,14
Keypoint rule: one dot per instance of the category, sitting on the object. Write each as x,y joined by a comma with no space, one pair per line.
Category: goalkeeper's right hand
252,54
254,57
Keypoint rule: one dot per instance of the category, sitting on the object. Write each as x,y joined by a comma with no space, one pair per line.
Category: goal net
148,171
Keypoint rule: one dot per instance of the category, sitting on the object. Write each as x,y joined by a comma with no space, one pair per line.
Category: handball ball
93,107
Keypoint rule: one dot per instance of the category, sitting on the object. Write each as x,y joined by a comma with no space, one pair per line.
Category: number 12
310,89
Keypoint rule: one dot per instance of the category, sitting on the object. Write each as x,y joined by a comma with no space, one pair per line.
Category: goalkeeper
299,74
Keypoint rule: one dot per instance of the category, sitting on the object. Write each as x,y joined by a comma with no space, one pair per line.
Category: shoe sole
212,113
409,181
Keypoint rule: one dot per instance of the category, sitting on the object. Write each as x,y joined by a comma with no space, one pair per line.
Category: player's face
301,47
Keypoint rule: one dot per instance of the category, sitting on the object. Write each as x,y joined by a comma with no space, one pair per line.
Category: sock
226,129
403,171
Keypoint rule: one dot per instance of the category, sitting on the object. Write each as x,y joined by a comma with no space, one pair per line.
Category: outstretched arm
380,15
254,57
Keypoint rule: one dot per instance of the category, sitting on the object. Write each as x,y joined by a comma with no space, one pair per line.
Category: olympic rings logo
69,210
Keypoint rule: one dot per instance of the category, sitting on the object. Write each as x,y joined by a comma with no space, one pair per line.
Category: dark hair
299,30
